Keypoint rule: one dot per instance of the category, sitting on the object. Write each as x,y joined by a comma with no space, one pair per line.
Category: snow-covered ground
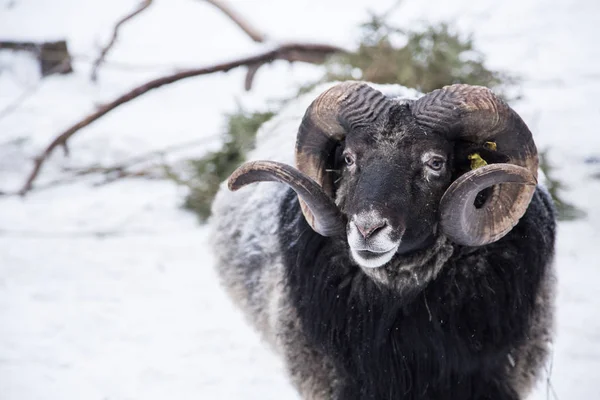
108,292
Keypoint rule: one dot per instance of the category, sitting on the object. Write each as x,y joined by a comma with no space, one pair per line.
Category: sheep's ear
466,154
334,167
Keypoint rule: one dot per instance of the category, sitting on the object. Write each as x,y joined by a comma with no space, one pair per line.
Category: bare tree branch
254,33
252,70
121,169
111,174
309,53
141,7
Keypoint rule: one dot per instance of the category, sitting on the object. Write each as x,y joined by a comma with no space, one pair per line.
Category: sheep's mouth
373,259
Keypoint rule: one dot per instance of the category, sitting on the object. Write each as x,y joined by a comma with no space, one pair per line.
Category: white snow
108,292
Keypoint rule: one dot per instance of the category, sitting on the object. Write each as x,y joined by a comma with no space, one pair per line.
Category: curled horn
474,114
326,217
345,107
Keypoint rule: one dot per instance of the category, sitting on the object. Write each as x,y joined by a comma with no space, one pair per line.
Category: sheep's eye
435,163
348,159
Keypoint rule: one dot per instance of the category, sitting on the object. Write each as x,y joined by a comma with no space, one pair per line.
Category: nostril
370,228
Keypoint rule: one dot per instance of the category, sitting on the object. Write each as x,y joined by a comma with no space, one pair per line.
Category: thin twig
310,53
252,69
141,7
141,158
111,175
79,234
118,170
549,386
254,33
116,64
27,93
392,9
145,174
170,149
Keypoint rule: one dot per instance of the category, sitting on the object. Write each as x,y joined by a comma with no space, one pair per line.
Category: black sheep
413,257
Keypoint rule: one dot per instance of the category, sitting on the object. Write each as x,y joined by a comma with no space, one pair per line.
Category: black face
392,181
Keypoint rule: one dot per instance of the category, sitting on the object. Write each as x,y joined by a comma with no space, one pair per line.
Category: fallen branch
309,53
254,34
143,5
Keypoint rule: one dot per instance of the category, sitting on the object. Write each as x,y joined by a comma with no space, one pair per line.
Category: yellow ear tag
476,161
491,145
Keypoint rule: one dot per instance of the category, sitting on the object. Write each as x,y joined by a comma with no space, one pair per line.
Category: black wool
448,340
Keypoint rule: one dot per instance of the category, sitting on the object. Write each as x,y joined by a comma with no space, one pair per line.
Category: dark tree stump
53,57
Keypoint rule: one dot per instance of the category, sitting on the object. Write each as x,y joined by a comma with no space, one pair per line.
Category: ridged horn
474,114
339,110
326,218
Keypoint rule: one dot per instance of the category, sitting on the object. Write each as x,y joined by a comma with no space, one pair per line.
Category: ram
409,253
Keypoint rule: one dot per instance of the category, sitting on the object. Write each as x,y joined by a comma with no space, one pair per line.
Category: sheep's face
397,160
391,185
